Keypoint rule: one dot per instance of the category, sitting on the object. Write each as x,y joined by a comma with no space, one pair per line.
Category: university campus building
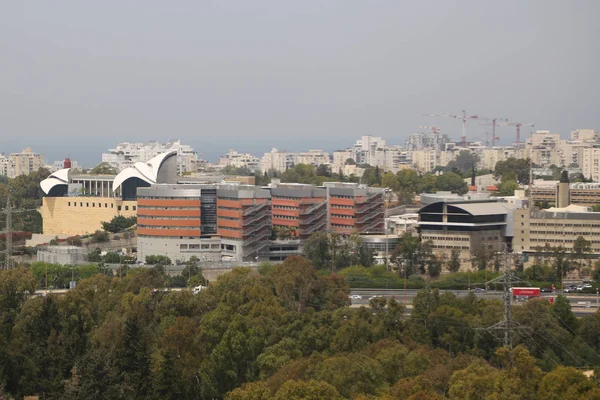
180,218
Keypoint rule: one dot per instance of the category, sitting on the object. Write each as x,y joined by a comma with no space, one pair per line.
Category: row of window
595,233
213,246
560,225
229,228
162,227
449,246
229,208
165,217
343,216
286,217
93,205
168,208
168,198
452,238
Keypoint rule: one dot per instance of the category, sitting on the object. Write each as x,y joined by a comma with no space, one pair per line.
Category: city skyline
252,77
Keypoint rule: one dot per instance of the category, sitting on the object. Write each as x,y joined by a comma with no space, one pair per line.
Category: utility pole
507,326
8,236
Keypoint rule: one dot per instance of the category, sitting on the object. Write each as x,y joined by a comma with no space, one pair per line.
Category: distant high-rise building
23,163
278,161
126,154
240,160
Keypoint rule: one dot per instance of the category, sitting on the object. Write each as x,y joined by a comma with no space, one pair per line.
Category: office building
301,209
354,208
467,226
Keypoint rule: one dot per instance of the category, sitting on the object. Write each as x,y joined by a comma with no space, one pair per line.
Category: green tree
507,188
119,223
454,262
582,249
452,182
562,309
311,390
465,162
513,169
103,168
564,383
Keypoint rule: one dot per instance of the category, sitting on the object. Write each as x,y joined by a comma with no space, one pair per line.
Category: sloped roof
60,177
148,172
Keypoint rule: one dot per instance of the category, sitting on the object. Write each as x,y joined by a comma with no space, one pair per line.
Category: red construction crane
464,117
518,125
493,125
434,129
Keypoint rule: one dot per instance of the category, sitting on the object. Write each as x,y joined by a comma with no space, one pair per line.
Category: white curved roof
60,177
148,172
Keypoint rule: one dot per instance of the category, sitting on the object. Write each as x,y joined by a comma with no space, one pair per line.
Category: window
80,204
126,208
87,204
112,206
183,246
119,208
105,205
134,208
93,204
69,204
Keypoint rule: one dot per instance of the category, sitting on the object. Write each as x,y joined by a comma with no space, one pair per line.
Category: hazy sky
76,77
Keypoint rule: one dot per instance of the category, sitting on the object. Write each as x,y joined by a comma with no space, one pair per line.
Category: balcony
255,208
316,227
314,208
312,219
252,220
257,227
368,217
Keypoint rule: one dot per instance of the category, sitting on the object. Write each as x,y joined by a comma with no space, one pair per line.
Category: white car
374,297
355,297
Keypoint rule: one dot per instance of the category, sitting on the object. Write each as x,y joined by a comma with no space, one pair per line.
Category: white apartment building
23,163
278,161
590,163
314,157
240,160
4,163
126,154
340,157
585,135
425,160
490,156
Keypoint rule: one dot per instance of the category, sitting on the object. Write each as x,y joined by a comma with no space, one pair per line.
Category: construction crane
464,117
493,125
518,125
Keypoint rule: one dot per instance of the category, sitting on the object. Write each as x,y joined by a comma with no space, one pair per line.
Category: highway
581,304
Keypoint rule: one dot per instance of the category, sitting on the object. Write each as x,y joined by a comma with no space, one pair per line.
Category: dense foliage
283,333
119,223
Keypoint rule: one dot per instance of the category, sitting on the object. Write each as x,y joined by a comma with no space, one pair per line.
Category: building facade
240,160
301,209
468,227
352,208
23,163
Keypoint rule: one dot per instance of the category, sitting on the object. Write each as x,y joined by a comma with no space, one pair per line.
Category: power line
507,326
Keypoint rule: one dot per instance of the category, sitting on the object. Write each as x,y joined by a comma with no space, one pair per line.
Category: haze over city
78,77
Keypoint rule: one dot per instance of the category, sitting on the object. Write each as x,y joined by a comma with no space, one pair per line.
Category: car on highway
375,297
478,290
570,289
547,289
355,297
